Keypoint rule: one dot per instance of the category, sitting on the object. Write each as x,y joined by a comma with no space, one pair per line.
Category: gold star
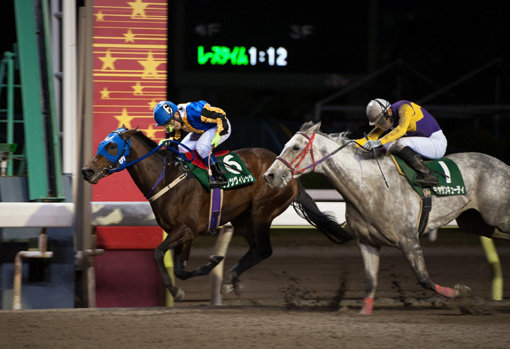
124,119
129,36
150,66
108,61
137,89
151,131
152,104
105,94
99,16
138,9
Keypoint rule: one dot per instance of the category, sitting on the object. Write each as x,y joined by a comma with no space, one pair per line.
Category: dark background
431,44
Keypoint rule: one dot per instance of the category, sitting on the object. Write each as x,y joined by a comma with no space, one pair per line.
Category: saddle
450,183
445,170
232,165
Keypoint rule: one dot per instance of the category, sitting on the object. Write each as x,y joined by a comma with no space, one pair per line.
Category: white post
69,89
222,242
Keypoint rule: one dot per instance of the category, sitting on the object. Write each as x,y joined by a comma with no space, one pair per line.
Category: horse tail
307,208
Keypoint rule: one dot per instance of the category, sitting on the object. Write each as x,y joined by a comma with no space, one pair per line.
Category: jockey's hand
163,141
371,144
215,141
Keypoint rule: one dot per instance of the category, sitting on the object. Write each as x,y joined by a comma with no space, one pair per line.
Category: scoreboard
265,40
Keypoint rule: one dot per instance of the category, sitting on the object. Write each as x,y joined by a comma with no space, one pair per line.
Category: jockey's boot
219,179
424,177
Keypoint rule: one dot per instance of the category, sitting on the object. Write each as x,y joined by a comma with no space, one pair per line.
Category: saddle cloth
234,168
447,172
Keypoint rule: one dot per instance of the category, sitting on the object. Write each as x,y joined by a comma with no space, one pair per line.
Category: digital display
274,36
240,55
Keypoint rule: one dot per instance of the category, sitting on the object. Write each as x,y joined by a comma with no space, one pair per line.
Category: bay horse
183,211
381,216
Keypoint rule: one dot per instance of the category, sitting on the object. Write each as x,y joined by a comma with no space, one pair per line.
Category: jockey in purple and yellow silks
207,127
407,130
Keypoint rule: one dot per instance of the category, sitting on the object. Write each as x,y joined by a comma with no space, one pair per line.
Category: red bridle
309,149
294,164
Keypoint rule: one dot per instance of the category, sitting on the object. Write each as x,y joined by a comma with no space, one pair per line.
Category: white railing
46,215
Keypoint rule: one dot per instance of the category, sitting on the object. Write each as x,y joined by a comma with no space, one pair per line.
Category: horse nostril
87,173
269,177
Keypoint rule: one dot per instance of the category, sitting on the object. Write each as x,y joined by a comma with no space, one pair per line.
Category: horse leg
414,255
371,258
260,249
159,255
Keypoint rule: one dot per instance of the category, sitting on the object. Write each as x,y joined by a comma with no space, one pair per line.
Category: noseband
294,164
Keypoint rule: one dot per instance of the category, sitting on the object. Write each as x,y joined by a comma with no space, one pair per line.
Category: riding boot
218,177
424,177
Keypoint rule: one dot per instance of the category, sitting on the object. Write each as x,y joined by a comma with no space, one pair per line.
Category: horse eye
111,148
295,148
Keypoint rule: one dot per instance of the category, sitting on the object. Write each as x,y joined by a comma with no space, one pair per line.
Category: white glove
370,144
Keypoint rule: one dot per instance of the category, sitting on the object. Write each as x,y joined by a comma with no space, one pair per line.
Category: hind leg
471,221
371,258
257,236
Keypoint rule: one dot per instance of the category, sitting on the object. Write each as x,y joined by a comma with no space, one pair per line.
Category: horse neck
146,172
343,170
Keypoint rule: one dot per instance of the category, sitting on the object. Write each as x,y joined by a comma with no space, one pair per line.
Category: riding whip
380,169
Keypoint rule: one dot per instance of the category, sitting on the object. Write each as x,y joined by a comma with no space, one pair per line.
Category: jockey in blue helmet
207,127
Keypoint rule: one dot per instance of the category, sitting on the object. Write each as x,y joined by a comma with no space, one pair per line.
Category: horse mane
341,138
146,141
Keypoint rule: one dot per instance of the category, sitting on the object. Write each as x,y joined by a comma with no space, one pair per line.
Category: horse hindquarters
487,182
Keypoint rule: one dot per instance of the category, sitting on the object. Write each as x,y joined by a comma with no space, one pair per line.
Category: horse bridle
308,149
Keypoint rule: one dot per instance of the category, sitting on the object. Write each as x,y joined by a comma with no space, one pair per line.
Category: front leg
371,259
414,254
175,239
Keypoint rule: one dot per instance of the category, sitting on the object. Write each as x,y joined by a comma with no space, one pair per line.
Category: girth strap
426,207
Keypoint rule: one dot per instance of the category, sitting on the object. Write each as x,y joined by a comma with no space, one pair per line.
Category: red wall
130,55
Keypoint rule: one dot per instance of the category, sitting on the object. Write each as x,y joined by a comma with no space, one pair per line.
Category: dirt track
304,297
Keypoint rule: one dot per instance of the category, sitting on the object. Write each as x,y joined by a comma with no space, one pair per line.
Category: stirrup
217,183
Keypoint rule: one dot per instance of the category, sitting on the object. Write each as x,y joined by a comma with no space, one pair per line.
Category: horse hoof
227,288
462,290
216,259
179,295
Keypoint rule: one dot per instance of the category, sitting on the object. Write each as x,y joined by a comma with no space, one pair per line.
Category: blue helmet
164,111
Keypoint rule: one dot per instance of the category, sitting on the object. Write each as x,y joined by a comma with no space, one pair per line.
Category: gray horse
379,215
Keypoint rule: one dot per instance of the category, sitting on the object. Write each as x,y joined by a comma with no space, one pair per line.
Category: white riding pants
201,142
433,147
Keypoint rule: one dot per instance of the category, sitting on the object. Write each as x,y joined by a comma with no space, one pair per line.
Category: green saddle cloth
234,168
446,171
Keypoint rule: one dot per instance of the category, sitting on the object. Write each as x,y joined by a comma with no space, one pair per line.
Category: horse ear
314,128
128,133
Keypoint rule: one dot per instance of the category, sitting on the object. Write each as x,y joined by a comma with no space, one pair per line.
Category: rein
309,149
125,153
122,165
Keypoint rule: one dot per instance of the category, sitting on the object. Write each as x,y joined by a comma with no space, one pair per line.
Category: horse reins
309,149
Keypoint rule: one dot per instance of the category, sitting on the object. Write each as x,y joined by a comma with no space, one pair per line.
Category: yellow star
137,89
124,119
108,61
152,104
105,94
150,66
151,131
99,16
129,36
138,9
